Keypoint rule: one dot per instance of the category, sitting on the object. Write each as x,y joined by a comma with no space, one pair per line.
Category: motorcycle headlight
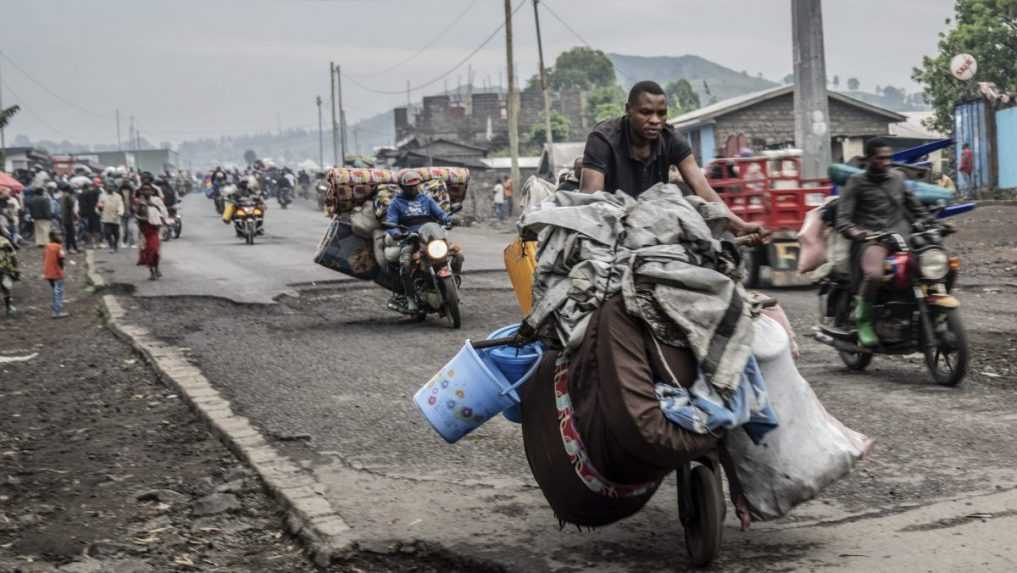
933,264
437,249
257,211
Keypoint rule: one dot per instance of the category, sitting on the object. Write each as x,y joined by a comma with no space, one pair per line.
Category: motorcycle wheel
856,360
451,295
179,229
948,364
249,235
702,518
166,233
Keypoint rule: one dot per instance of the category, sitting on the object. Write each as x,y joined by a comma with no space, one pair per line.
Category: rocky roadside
104,469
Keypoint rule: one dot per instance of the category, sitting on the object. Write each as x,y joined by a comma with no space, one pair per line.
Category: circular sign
963,67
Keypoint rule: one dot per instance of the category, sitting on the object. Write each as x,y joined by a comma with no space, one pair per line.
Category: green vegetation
986,29
560,127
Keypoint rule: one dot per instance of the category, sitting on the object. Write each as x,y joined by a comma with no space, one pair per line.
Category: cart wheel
702,513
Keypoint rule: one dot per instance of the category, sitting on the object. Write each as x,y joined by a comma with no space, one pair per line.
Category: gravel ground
105,470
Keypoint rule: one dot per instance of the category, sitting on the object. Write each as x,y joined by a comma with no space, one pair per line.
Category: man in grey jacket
874,202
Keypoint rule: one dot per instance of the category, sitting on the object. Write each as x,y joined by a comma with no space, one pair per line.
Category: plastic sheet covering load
344,251
926,193
536,191
808,451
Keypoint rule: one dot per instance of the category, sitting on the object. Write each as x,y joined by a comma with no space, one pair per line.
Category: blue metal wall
708,143
1006,147
971,127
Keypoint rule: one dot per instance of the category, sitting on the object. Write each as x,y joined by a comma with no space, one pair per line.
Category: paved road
209,260
939,492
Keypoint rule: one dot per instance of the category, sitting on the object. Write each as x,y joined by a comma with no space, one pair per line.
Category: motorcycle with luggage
436,274
915,310
249,219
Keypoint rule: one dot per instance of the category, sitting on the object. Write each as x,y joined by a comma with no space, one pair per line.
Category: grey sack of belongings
661,254
807,452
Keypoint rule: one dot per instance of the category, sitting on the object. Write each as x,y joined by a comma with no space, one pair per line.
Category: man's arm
596,162
846,212
436,211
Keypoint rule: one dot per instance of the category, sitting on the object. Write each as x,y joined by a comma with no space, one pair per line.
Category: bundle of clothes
656,361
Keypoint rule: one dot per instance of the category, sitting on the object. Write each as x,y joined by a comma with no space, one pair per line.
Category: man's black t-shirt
608,151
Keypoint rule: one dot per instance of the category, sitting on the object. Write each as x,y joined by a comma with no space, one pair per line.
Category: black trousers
111,231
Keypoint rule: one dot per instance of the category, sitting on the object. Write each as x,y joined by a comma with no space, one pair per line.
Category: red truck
769,189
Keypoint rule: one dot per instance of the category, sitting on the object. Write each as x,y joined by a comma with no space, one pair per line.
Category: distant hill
723,82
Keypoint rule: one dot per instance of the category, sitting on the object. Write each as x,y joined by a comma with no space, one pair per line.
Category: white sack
808,451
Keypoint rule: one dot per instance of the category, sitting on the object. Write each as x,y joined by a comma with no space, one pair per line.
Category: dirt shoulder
104,469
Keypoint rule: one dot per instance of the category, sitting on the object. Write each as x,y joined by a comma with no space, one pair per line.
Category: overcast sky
193,68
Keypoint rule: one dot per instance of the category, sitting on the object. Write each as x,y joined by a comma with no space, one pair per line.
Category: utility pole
812,123
120,146
3,140
342,114
543,78
335,125
513,105
356,141
321,140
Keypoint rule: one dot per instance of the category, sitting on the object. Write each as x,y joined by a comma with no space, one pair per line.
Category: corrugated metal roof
506,162
712,111
912,128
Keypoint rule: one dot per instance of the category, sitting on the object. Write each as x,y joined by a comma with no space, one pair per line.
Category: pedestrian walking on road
126,194
88,206
499,201
151,215
508,197
69,217
53,271
41,211
111,208
8,264
967,167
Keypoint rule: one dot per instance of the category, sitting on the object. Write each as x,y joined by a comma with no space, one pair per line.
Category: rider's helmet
409,181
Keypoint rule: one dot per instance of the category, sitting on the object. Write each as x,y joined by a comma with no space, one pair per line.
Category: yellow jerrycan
521,262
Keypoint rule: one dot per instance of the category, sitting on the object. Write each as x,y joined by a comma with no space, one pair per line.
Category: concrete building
766,120
153,160
17,158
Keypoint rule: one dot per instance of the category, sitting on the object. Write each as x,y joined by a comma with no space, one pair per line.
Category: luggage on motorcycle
364,222
808,451
457,179
521,263
383,198
343,251
812,239
437,189
227,213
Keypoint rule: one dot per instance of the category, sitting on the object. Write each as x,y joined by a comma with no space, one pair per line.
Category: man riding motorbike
406,213
872,203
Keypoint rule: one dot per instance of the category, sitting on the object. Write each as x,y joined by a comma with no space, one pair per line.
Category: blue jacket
413,213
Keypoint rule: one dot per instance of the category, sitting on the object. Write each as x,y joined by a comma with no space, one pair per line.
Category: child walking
53,271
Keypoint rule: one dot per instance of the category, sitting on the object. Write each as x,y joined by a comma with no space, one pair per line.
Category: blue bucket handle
529,373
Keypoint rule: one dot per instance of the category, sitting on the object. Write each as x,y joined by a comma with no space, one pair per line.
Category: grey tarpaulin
662,253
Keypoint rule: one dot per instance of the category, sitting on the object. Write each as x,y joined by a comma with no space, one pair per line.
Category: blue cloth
58,296
413,213
701,410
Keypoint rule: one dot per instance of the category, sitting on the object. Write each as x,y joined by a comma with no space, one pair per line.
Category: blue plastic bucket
464,394
517,364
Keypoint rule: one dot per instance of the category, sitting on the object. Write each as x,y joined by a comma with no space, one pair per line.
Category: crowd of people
63,214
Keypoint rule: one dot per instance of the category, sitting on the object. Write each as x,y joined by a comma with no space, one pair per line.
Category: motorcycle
435,284
914,311
249,219
218,196
321,190
174,224
284,195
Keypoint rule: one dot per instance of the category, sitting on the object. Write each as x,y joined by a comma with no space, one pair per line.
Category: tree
607,102
853,84
879,90
789,79
7,113
681,98
986,29
894,97
560,127
250,156
583,68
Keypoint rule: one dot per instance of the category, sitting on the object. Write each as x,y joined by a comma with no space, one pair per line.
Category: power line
430,44
51,92
564,23
446,74
31,112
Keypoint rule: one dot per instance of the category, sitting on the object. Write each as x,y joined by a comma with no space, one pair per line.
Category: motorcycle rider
406,213
874,202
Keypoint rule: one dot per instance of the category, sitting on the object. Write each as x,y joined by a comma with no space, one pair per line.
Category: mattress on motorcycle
344,251
457,179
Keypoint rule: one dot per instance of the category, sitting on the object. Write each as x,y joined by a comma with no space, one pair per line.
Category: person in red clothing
53,271
967,167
